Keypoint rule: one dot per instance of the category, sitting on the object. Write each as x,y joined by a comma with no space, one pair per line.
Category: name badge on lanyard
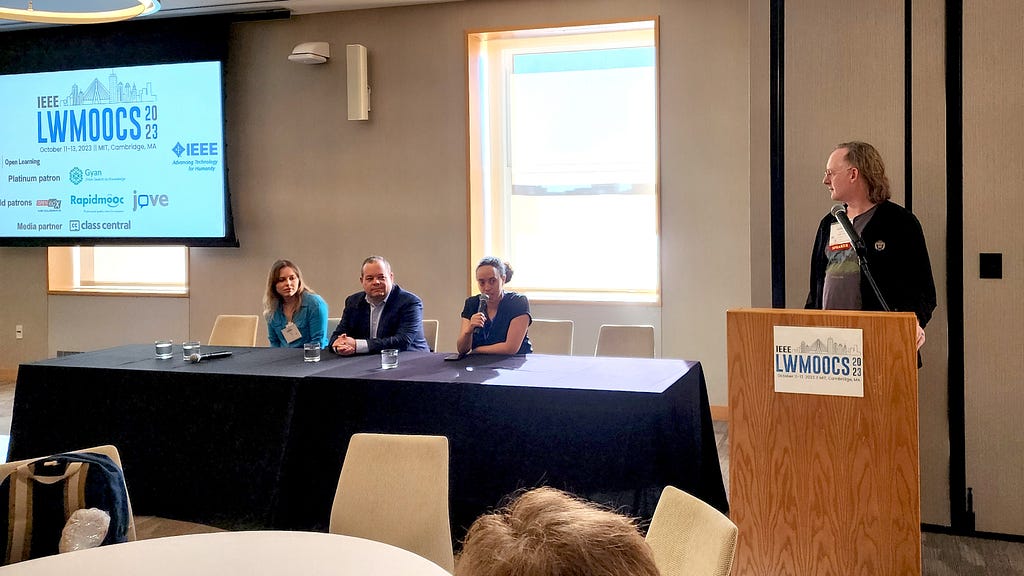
291,332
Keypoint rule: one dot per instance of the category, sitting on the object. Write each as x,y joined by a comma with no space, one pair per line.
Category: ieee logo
76,175
196,149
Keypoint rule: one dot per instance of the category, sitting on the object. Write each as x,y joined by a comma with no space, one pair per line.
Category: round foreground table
260,553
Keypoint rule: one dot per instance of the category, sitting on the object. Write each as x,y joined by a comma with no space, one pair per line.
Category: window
159,270
563,159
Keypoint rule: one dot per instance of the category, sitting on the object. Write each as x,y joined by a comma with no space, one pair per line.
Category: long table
256,440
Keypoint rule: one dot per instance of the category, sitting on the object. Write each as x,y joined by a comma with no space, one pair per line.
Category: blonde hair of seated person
547,532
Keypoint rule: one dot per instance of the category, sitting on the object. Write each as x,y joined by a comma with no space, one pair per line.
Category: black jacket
897,257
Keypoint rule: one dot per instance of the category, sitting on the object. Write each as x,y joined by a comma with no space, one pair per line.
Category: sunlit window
564,158
161,270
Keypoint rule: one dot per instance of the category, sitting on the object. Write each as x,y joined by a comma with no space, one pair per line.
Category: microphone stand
858,247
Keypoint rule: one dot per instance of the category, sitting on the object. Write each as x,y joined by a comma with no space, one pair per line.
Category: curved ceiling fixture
72,16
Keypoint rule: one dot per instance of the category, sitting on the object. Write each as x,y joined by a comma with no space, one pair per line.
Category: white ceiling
172,8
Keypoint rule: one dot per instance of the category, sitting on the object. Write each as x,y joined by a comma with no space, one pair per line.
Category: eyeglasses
830,174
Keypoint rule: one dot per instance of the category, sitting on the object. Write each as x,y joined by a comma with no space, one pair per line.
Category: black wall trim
778,191
908,104
937,529
962,518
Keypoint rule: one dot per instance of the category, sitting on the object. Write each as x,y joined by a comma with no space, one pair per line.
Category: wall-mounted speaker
358,88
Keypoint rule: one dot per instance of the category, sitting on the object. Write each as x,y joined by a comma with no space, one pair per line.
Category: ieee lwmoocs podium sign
818,360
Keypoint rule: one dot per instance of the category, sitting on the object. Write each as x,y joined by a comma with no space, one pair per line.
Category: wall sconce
311,53
358,88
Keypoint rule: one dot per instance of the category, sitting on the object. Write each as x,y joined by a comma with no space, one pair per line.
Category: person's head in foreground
546,532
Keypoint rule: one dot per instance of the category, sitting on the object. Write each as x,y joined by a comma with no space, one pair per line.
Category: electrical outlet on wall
19,333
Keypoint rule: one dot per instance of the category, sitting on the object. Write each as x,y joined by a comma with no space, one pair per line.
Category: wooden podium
824,484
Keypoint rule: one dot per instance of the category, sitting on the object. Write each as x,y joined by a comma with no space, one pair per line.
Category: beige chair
689,537
394,489
625,341
234,330
430,328
332,323
551,336
109,451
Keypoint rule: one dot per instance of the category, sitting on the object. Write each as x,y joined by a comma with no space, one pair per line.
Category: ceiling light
72,16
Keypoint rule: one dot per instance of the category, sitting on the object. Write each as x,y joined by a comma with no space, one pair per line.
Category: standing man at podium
889,237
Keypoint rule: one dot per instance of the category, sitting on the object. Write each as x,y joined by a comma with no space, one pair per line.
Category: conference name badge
819,360
838,239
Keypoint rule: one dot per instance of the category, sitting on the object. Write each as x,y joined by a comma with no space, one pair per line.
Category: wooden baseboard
720,413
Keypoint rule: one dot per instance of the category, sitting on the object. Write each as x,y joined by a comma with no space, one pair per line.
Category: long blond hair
271,299
868,161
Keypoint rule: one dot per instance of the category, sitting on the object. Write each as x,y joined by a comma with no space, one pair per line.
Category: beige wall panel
105,321
929,165
22,301
843,81
993,309
705,180
760,155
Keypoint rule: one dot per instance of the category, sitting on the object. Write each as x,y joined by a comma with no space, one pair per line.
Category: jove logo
196,149
140,201
52,203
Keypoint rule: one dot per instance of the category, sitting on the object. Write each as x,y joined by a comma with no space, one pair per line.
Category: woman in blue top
495,321
294,313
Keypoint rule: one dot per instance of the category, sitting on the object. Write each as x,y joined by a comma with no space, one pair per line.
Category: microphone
839,212
482,309
196,358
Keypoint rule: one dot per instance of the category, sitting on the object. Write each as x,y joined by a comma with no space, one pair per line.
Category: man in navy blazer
381,316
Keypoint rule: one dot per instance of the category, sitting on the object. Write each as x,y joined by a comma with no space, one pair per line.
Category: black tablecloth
257,440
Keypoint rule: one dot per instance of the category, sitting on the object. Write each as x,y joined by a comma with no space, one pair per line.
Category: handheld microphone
196,358
482,309
839,212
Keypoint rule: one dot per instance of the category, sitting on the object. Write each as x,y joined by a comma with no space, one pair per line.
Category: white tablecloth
257,553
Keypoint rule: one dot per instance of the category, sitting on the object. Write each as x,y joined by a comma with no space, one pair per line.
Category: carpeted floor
942,554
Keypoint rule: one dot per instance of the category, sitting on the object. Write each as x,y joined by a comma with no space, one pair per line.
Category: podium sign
823,446
819,360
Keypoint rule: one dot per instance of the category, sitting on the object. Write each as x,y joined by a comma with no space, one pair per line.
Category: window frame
489,204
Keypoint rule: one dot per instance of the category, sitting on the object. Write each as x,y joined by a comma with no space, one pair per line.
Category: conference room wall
993,103
847,83
310,185
396,185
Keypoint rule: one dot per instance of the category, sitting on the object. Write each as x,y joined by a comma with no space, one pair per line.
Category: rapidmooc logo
76,175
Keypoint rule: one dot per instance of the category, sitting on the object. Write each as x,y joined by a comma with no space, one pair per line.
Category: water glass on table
311,352
189,348
389,358
163,349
